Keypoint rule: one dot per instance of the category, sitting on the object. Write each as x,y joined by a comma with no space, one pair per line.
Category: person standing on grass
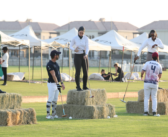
81,57
152,43
53,84
4,65
153,74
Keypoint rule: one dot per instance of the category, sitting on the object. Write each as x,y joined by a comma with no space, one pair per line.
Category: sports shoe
146,114
155,114
79,89
123,80
85,88
2,91
55,116
49,117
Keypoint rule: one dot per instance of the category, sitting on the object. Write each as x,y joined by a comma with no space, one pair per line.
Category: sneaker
123,80
55,116
2,91
155,114
79,89
4,84
85,88
160,88
49,117
146,114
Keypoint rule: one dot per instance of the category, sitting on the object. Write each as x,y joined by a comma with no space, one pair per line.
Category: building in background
96,28
161,28
42,30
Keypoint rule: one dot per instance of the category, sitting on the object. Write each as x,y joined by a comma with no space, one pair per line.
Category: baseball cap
155,55
54,52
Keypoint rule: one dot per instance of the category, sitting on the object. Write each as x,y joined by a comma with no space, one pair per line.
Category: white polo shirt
82,44
149,43
5,57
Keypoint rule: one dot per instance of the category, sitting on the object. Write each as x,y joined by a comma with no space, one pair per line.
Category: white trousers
150,89
53,92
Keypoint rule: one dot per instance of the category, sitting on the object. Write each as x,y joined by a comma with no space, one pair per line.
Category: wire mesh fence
19,61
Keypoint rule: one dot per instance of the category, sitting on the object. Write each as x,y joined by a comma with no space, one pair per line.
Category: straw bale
10,101
11,117
87,112
82,98
138,107
162,95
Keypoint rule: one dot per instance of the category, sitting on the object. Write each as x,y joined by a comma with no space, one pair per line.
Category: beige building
161,28
96,28
42,30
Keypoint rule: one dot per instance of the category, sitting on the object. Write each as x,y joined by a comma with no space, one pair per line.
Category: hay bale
87,112
10,101
162,95
11,117
82,98
138,107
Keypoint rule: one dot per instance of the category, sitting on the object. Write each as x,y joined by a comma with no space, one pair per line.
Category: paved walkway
33,99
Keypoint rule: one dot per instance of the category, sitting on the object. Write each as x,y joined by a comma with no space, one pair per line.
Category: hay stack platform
79,105
11,112
138,106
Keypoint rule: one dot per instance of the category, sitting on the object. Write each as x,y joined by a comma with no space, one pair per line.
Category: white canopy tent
116,41
27,33
65,39
7,40
62,40
10,41
142,38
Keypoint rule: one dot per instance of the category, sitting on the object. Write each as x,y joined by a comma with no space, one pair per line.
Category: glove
59,87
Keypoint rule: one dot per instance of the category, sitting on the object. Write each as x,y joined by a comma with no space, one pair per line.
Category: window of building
43,37
90,36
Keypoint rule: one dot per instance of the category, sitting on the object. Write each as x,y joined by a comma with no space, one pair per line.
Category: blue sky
137,12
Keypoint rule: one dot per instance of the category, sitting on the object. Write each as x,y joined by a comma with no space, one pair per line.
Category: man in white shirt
80,46
153,74
4,65
152,44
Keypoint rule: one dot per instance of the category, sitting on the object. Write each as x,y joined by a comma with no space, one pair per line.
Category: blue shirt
53,66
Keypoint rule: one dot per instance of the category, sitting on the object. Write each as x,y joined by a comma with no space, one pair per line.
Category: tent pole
62,60
110,65
29,64
131,61
41,66
19,58
69,63
122,62
99,62
33,63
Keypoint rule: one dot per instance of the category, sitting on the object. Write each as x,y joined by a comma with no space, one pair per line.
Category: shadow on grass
41,118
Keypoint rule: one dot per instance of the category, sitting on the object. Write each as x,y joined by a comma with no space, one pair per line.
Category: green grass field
26,89
126,125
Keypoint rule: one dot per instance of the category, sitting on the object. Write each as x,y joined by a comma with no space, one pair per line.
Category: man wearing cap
153,74
53,84
4,65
